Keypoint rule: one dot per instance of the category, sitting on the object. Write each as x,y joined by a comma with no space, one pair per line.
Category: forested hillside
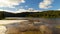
43,14
46,14
2,15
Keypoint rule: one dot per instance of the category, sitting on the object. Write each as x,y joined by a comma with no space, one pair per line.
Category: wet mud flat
34,26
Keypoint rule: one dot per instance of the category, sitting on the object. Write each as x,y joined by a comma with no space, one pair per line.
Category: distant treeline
43,14
46,14
2,15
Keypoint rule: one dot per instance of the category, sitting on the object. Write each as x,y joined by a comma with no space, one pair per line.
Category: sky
23,5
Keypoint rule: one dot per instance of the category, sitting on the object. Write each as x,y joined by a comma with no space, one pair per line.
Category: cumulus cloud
17,11
7,10
10,3
24,10
45,4
20,10
58,9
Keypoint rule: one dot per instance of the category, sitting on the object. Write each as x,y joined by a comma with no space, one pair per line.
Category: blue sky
16,5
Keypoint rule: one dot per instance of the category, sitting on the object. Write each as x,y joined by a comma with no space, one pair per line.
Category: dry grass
27,32
57,26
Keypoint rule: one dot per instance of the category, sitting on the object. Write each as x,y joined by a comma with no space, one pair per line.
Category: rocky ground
31,27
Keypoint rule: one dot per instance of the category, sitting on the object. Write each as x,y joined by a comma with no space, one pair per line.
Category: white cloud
10,3
6,10
58,9
24,10
18,11
21,10
45,4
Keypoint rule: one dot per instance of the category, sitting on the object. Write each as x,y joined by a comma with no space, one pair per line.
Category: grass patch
2,24
57,26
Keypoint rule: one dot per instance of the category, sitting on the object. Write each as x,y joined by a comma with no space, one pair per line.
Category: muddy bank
30,25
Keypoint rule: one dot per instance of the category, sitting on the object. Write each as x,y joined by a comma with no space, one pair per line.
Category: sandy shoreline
10,21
